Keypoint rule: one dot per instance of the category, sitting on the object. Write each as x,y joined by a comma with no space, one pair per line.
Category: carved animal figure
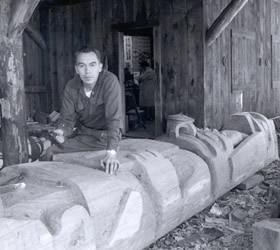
71,204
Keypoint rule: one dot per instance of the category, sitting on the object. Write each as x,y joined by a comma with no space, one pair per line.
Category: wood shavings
251,205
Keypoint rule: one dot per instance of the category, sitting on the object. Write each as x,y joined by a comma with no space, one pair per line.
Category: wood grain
13,107
73,204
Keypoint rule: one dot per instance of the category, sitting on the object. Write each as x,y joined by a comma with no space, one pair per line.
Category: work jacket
101,112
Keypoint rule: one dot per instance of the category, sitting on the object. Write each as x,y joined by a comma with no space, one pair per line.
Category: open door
139,37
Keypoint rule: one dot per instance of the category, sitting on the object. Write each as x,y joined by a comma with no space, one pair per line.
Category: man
92,105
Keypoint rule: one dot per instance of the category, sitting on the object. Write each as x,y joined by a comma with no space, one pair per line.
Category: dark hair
88,49
144,64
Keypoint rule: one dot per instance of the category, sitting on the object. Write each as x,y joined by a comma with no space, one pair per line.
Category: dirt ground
227,223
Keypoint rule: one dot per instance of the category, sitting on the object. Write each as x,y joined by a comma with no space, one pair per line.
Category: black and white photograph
139,124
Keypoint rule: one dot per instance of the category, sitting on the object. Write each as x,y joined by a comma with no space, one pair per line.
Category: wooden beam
13,110
158,86
20,14
53,3
36,36
223,20
121,74
123,27
35,89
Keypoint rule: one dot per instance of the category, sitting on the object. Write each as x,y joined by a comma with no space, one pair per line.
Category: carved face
88,68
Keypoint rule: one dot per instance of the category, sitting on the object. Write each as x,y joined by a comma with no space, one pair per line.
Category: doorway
139,83
138,44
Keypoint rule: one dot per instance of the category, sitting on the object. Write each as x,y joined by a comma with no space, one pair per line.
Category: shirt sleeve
67,118
113,112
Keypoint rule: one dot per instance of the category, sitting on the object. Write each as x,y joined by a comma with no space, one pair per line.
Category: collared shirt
101,111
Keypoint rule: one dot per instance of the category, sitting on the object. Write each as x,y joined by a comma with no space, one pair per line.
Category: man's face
88,67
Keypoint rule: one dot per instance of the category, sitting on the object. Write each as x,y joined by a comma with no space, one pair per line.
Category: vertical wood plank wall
35,84
196,79
273,93
259,17
91,23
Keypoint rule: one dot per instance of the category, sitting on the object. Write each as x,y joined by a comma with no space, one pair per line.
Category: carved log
230,162
72,204
249,123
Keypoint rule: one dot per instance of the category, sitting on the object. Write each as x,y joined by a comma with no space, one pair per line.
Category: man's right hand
110,162
59,135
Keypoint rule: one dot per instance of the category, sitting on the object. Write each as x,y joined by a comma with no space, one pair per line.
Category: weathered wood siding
181,46
34,80
240,71
240,64
12,96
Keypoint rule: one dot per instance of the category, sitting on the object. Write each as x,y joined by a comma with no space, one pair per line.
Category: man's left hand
110,162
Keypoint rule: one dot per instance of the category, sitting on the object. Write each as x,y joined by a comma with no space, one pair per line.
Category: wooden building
212,57
238,71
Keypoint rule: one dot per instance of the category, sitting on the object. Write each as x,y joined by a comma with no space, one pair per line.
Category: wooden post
223,20
121,75
158,87
13,19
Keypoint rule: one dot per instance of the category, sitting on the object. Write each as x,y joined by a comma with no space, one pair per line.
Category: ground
228,223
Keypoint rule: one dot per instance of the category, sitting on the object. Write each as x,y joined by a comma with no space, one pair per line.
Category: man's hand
59,135
110,162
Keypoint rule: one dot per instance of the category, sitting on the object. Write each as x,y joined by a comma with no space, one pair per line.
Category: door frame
125,27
